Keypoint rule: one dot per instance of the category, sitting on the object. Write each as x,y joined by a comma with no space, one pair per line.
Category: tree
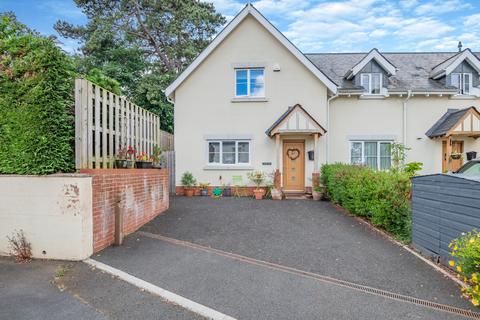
143,44
36,102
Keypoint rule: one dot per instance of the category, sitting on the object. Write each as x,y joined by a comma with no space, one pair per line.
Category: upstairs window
371,82
250,82
373,154
462,81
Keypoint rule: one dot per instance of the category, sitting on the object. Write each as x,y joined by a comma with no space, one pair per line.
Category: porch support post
315,153
449,152
277,193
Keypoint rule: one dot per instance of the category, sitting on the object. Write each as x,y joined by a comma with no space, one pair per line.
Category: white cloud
423,28
441,6
64,9
227,6
379,33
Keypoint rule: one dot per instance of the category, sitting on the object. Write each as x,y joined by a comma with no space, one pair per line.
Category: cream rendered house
252,101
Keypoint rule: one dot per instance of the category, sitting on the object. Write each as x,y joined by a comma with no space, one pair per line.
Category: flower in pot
131,156
318,192
157,157
121,158
456,155
257,177
188,183
203,188
143,161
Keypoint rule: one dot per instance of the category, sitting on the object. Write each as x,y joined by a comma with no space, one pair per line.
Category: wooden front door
294,166
457,146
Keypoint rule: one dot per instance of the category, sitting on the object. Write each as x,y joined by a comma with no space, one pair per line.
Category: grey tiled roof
446,122
413,69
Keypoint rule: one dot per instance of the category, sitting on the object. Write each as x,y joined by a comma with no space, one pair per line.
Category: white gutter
327,137
409,95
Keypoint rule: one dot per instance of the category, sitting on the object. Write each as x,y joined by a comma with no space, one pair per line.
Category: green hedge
380,196
36,103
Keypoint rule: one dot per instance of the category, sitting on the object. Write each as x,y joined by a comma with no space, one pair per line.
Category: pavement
72,290
248,259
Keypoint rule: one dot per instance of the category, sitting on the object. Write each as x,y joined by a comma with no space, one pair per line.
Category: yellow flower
459,269
451,263
472,240
474,277
455,248
475,302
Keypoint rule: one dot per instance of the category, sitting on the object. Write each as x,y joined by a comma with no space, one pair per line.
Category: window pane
241,83
243,157
228,152
376,83
385,156
243,146
365,82
466,83
257,83
214,152
455,80
371,154
356,153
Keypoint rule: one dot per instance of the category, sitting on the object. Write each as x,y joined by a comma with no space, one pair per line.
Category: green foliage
36,103
257,177
97,76
381,196
399,154
466,252
143,44
188,180
412,168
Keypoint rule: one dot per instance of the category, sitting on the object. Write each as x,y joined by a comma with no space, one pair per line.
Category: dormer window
462,81
371,82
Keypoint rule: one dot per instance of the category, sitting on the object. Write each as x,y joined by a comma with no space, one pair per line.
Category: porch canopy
296,120
455,123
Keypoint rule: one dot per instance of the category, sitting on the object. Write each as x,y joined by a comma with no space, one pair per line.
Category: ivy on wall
36,103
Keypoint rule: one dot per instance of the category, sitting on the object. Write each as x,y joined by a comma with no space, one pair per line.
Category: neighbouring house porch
292,132
456,129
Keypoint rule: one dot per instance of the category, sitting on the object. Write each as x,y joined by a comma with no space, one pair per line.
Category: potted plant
131,155
203,188
188,183
121,158
143,161
456,155
318,192
227,191
257,177
157,157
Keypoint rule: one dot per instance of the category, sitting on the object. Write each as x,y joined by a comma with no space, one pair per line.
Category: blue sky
321,26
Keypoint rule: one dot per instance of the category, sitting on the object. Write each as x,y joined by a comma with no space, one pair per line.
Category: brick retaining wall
140,194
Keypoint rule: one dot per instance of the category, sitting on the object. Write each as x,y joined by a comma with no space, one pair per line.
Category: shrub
257,177
466,252
20,248
36,103
381,196
188,180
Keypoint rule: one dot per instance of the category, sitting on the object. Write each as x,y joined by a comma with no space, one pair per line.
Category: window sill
249,99
228,167
373,96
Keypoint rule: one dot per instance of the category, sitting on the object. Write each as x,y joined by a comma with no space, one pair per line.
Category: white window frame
248,95
220,142
368,89
351,142
462,82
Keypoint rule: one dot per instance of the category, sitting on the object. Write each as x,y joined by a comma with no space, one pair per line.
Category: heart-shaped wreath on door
293,153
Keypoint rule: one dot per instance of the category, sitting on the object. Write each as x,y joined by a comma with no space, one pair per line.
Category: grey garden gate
443,207
170,164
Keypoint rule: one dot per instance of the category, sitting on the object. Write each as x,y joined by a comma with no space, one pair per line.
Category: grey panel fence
443,207
170,164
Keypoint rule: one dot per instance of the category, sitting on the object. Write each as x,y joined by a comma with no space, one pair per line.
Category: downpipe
327,137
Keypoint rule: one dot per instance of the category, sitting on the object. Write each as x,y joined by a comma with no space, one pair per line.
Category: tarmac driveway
314,238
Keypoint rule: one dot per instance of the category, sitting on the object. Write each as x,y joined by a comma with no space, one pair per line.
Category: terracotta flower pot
259,193
317,196
188,191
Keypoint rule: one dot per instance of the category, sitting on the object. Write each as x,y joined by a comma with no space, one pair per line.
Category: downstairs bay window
373,154
229,152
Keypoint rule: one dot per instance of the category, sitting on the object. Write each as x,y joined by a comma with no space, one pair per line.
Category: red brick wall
141,195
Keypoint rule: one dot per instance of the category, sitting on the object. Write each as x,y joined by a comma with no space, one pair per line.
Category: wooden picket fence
105,122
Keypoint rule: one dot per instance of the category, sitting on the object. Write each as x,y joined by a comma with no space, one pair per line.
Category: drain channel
318,277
